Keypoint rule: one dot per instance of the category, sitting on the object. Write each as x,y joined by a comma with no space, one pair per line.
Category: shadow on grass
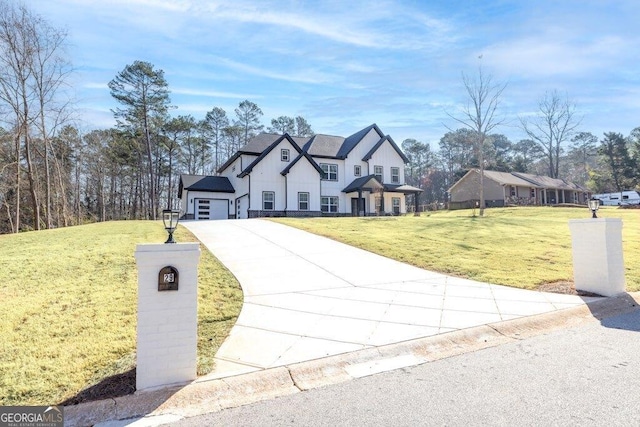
110,387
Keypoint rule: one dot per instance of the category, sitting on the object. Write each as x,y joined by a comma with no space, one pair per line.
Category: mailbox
168,279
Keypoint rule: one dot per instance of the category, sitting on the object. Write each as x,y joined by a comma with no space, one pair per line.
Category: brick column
598,264
167,319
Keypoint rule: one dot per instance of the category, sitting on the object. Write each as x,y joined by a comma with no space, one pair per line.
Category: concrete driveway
308,297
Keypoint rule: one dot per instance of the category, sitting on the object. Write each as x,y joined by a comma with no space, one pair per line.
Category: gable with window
329,171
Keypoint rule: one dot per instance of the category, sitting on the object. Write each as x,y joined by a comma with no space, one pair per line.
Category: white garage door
211,209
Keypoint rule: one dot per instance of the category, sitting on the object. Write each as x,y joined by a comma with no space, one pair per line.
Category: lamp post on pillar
594,204
170,219
167,331
598,264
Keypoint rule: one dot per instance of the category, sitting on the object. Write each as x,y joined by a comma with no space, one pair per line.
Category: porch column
358,202
557,197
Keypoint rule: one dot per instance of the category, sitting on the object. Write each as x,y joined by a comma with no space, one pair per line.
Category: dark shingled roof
404,188
212,184
324,145
262,141
363,183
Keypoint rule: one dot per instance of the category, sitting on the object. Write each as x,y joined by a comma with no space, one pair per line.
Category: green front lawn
520,247
69,298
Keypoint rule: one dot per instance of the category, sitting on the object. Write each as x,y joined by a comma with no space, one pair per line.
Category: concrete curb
201,397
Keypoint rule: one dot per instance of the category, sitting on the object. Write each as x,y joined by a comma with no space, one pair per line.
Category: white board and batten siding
387,157
265,178
303,178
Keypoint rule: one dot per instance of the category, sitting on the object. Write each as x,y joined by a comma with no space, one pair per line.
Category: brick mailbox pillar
598,265
167,314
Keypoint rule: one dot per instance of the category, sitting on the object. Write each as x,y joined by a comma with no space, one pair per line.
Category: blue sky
346,64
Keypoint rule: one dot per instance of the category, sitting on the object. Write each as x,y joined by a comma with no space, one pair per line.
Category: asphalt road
589,375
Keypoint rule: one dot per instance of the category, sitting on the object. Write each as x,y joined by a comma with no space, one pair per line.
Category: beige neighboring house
514,188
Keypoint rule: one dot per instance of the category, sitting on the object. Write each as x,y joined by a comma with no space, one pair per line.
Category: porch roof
404,188
365,183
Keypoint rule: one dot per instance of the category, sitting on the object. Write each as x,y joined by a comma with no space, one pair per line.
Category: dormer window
284,155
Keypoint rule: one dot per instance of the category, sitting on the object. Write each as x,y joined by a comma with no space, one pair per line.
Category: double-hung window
303,201
268,200
377,171
357,170
329,171
395,175
284,155
329,204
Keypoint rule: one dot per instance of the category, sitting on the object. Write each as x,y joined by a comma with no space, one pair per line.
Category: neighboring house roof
507,178
523,180
547,182
264,154
301,156
366,183
379,144
207,183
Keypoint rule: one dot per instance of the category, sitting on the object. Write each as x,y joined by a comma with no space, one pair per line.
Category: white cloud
213,94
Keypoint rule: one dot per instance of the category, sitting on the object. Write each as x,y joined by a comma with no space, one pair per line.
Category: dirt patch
564,287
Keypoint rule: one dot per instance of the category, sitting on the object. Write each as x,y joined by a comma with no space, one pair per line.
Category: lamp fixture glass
170,219
594,205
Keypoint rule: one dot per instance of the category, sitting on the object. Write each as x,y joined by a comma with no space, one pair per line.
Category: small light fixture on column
170,219
594,204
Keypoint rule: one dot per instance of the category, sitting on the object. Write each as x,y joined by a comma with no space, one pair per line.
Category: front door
357,209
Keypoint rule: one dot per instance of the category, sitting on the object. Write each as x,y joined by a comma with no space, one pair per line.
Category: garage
205,197
211,209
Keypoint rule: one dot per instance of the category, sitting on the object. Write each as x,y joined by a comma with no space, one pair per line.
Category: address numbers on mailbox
168,279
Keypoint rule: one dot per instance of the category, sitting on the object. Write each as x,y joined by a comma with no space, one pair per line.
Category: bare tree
479,115
33,69
553,125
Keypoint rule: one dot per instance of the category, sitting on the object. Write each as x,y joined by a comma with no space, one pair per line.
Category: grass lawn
69,298
520,247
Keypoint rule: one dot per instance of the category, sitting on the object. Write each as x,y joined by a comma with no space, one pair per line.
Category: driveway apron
308,297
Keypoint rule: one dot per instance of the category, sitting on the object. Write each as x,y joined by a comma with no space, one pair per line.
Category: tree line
54,174
554,146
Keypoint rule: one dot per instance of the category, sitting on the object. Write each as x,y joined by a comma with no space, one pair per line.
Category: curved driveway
307,297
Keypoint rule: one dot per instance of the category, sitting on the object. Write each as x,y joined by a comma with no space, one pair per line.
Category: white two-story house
280,175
